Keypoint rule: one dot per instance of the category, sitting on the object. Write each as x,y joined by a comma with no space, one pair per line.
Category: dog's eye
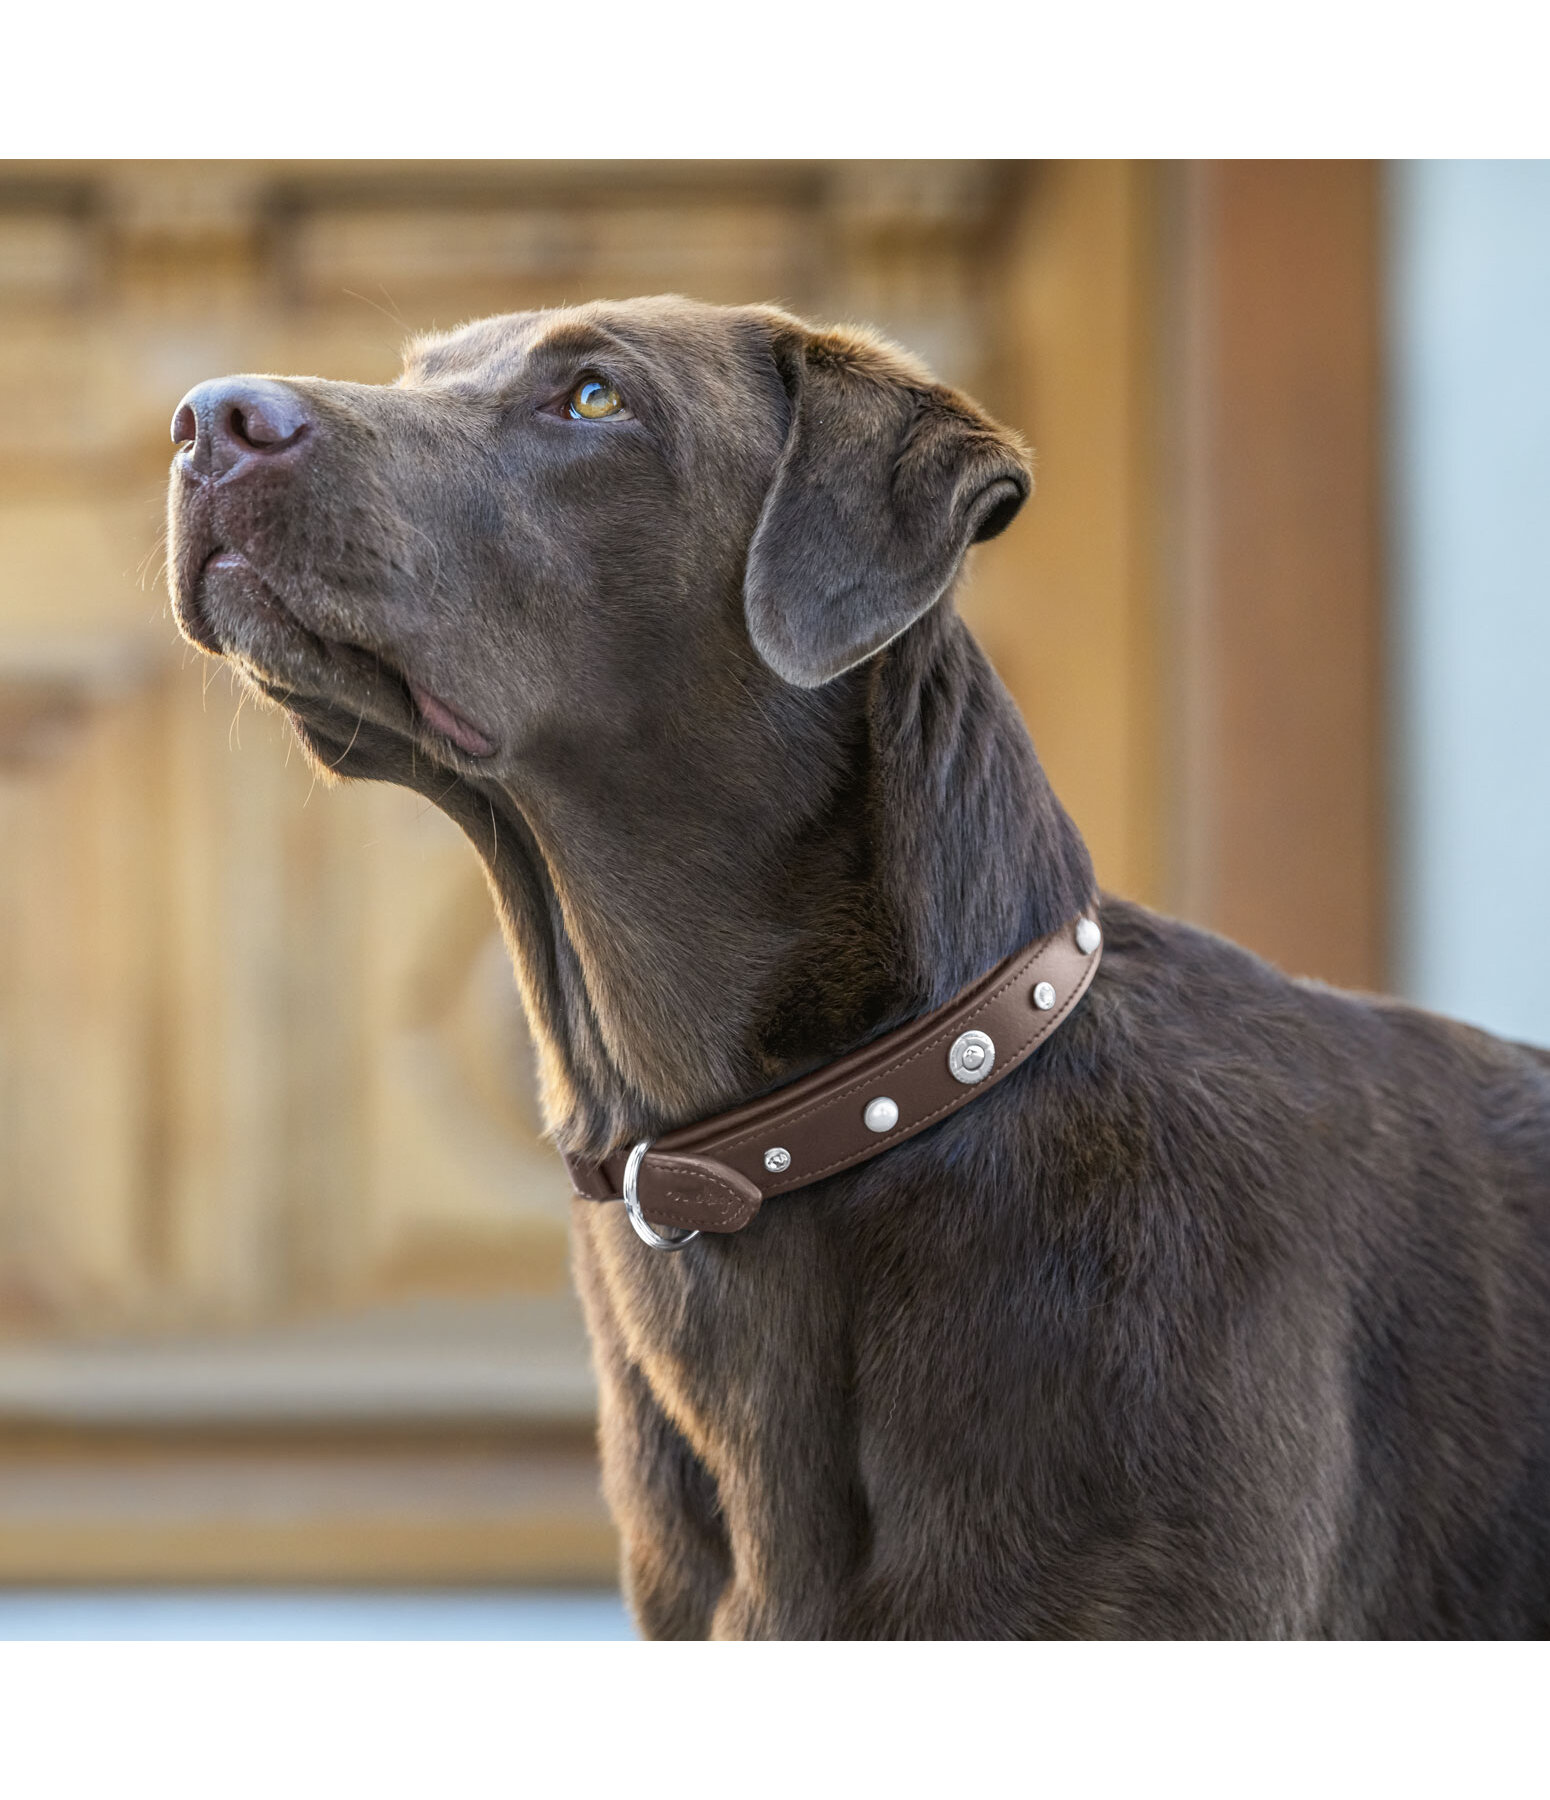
594,398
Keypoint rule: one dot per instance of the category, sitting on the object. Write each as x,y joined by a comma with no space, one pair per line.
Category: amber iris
594,398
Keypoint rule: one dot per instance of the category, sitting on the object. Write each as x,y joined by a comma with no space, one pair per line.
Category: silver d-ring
632,1206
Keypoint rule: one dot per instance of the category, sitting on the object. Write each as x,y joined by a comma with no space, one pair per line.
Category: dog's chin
343,746
346,744
225,608
199,600
231,612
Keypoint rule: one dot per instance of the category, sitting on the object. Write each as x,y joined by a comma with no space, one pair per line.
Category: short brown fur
1226,1314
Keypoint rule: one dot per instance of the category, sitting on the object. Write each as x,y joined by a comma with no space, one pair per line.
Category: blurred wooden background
282,1258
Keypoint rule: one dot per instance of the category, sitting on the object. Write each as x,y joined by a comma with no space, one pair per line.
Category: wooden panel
135,1509
1066,600
77,1002
1279,803
729,250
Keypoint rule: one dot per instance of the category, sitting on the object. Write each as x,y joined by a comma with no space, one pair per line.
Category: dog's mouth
450,723
260,602
188,604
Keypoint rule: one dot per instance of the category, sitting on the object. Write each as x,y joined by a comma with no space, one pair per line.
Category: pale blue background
302,1614
1469,286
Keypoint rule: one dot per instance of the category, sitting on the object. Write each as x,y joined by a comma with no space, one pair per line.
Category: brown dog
1227,1313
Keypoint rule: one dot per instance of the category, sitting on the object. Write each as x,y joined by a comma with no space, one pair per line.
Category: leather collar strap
715,1175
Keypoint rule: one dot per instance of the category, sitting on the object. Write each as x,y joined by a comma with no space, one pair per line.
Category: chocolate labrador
1226,1313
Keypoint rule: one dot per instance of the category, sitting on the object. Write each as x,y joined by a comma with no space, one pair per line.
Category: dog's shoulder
1212,1003
1223,1072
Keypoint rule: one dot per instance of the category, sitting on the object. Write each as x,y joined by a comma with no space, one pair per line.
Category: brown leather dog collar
716,1174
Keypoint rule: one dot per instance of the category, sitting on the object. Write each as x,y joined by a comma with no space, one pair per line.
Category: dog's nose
240,416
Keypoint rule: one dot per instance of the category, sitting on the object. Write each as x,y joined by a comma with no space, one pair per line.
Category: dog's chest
741,1340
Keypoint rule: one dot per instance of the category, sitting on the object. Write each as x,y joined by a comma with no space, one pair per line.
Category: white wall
1470,385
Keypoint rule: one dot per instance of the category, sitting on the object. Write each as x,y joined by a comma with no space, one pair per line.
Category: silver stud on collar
1044,996
1088,936
777,1161
881,1114
972,1057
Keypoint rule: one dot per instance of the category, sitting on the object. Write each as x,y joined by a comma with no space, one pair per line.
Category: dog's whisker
435,586
158,549
234,729
394,317
360,720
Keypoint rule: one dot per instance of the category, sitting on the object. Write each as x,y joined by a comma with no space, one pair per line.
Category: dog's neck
748,897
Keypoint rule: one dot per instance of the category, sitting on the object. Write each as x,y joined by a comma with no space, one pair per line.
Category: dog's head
565,523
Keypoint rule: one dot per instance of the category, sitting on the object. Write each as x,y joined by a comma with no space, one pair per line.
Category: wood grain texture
1066,602
440,1509
1279,797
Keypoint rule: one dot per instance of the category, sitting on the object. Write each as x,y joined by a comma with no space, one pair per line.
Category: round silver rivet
1044,996
880,1115
777,1161
972,1057
1088,936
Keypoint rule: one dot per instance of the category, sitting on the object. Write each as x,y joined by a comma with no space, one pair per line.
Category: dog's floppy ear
885,480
